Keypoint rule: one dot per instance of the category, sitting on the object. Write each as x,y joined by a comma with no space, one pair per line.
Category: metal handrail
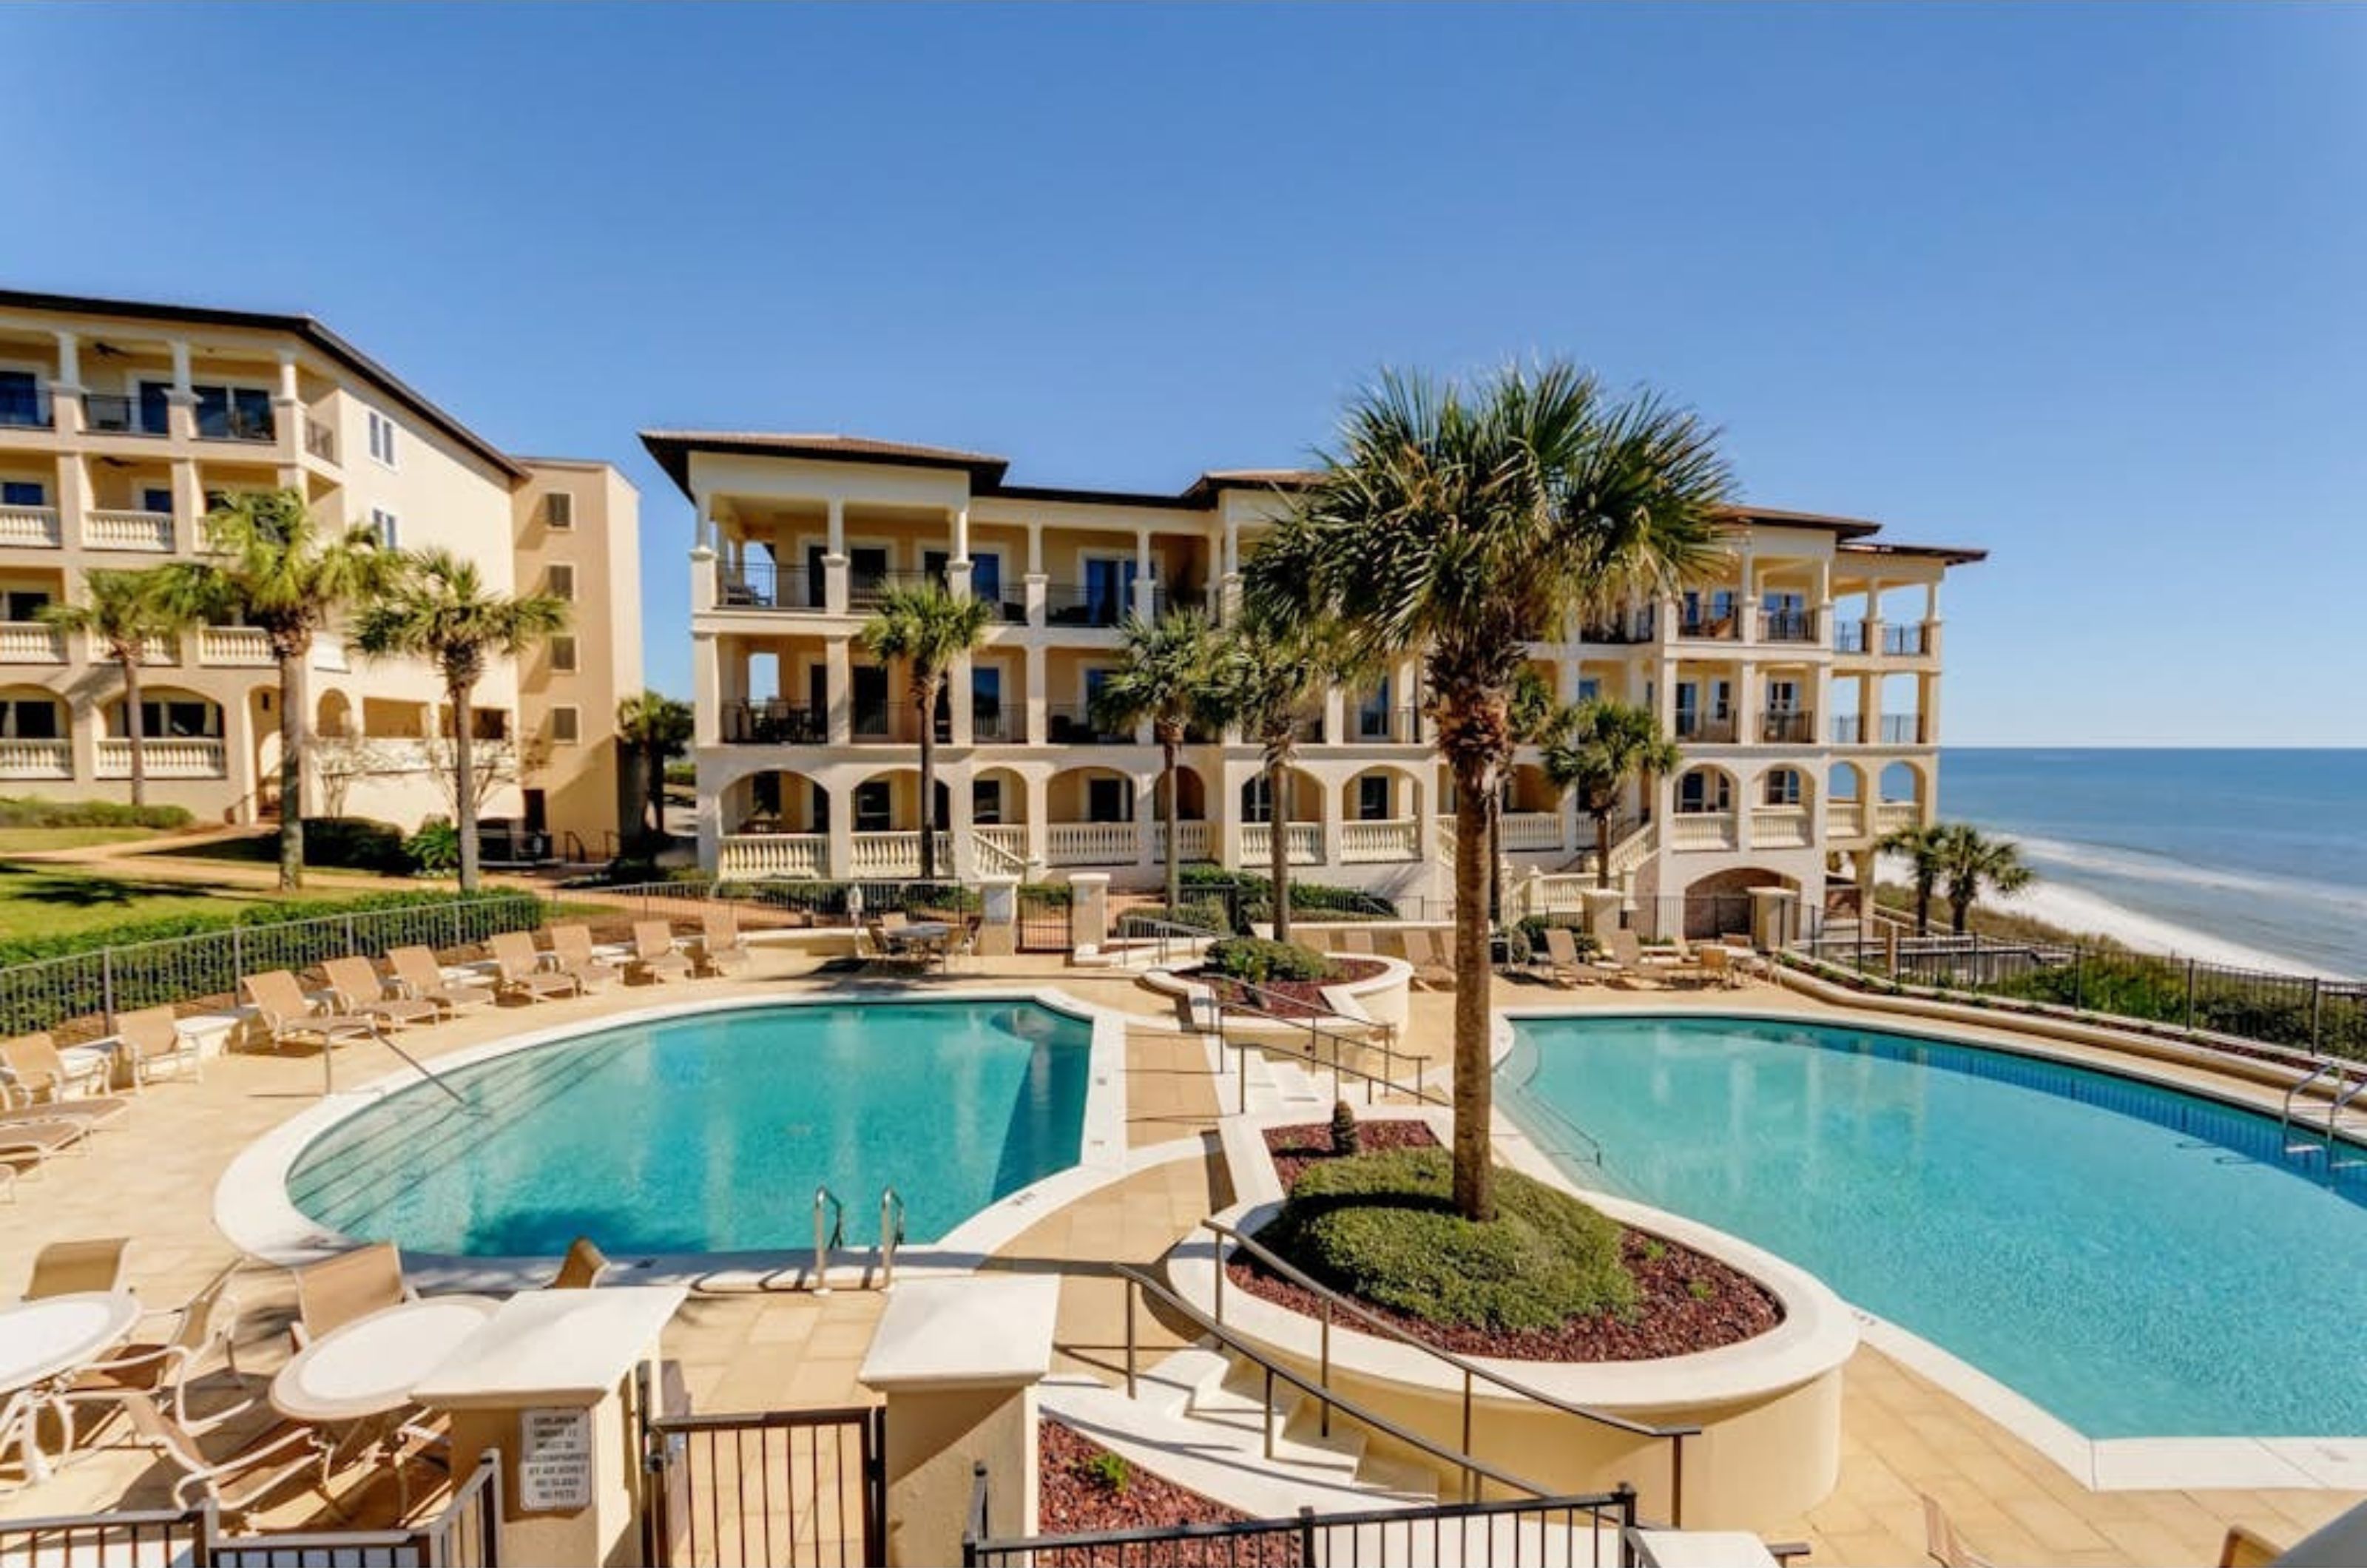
1386,1079
825,1200
2285,1122
891,1235
1473,1468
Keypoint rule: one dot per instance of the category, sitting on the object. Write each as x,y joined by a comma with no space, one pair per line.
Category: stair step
1171,1385
2312,1148
1239,1405
1400,1478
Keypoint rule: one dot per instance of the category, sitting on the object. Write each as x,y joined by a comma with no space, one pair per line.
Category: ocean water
2263,848
2140,1262
709,1133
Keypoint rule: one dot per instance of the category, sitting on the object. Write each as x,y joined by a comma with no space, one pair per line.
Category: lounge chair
361,994
424,980
581,1268
1942,1544
1719,968
521,973
571,951
260,1468
2247,1549
337,1291
721,947
1563,965
287,1014
35,1138
655,957
150,1041
36,1084
164,1366
1623,956
41,1069
1433,970
74,1267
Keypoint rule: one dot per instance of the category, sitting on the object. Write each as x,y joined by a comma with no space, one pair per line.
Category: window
381,438
1703,791
1109,799
562,655
233,413
1588,689
24,493
170,718
20,399
386,526
1784,787
1782,696
564,729
986,802
23,605
29,719
1257,800
1373,798
1373,714
156,498
559,581
871,715
559,510
872,814
986,701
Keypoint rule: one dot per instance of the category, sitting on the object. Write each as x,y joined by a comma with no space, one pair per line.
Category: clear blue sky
2083,284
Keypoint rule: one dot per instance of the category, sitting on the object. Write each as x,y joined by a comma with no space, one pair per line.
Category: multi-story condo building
122,423
1804,688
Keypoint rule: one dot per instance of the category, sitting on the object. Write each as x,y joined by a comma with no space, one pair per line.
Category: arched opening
181,737
775,801
1785,787
33,735
168,714
889,802
1380,810
1304,801
1720,903
1090,817
998,797
333,717
1191,796
1704,792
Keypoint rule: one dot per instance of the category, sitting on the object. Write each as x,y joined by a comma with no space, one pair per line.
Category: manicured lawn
42,900
17,840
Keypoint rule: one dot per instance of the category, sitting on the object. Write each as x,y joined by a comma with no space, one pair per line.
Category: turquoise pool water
709,1133
2139,1262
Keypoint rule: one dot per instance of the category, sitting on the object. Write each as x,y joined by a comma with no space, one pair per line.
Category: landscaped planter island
1765,1393
1370,995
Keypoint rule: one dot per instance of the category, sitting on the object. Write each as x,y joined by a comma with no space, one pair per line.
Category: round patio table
370,1365
46,1338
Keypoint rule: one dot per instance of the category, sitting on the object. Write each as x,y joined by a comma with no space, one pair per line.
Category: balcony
36,759
1705,623
228,422
319,440
114,414
1848,636
1847,730
898,853
164,757
31,642
235,647
1092,843
1909,641
25,408
774,854
1787,727
760,585
34,527
1192,842
1528,830
1702,831
1890,816
1787,625
109,529
1368,842
1782,827
1076,727
1903,730
1398,726
1621,627
774,723
1084,604
1706,729
1302,843
1844,820
991,726
999,846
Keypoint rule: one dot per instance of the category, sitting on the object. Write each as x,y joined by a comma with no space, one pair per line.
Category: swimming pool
709,1133
2139,1262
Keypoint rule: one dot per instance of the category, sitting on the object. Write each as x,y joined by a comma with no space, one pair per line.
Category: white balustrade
120,530
1193,841
1630,854
1529,831
1892,815
1781,827
774,854
1302,843
1702,831
1362,842
1845,820
1092,843
163,758
34,525
36,759
898,854
1002,847
30,642
243,646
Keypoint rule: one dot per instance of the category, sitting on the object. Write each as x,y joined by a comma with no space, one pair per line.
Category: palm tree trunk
291,765
135,729
1601,848
924,698
1922,907
1960,911
1277,852
464,793
1169,752
1473,1184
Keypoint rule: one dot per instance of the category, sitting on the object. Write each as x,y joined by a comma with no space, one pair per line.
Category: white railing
1191,840
1302,843
30,642
1781,827
36,526
1365,842
1629,853
774,854
1002,847
1092,843
1892,815
1845,820
245,646
163,759
36,759
1702,831
114,530
898,853
1529,831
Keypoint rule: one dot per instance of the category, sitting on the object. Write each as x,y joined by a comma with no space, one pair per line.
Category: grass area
46,900
1900,900
19,840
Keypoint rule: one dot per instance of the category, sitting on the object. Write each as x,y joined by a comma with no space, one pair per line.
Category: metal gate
767,1489
1043,919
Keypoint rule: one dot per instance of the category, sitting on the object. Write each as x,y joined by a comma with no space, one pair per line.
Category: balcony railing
1400,725
1081,604
1889,816
1848,636
1787,625
866,590
163,758
1710,729
1702,831
1844,820
1847,730
1092,843
897,852
1621,627
1002,845
319,440
31,642
1192,842
880,721
1528,830
1902,729
112,529
236,424
774,854
988,725
243,647
1782,827
27,409
114,414
36,759
1787,727
1075,726
1909,641
1704,622
761,586
1302,843
34,526
1365,842
774,723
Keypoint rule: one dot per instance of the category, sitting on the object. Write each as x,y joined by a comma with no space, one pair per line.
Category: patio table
370,1365
43,1339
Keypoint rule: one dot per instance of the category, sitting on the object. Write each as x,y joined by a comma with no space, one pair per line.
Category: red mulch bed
1293,999
1687,1302
1073,1501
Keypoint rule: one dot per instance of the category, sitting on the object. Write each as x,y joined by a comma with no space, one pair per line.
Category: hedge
20,811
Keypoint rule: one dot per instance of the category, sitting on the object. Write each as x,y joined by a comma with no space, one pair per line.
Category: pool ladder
2344,1091
830,1232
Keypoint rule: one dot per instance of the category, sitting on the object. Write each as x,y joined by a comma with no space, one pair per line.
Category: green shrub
1256,896
494,904
1256,960
1109,1471
355,843
29,812
1382,1227
435,850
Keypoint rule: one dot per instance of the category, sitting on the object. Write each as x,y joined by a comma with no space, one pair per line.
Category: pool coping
2099,1464
252,1207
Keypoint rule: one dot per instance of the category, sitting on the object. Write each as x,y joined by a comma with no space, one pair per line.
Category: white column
1039,801
833,560
1038,722
957,824
1873,616
287,408
66,388
188,505
1748,610
1142,583
707,690
182,417
958,699
961,535
839,682
73,498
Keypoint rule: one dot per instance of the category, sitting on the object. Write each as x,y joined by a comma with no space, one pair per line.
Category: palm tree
273,566
929,628
437,608
1465,523
658,727
124,612
1971,862
1267,674
1595,747
1167,672
1925,848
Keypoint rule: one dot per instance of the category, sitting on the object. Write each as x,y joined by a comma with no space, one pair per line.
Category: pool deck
154,1178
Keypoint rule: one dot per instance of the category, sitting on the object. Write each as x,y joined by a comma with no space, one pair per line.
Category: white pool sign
554,1459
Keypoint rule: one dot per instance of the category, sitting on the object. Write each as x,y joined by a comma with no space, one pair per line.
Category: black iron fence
772,722
761,1489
